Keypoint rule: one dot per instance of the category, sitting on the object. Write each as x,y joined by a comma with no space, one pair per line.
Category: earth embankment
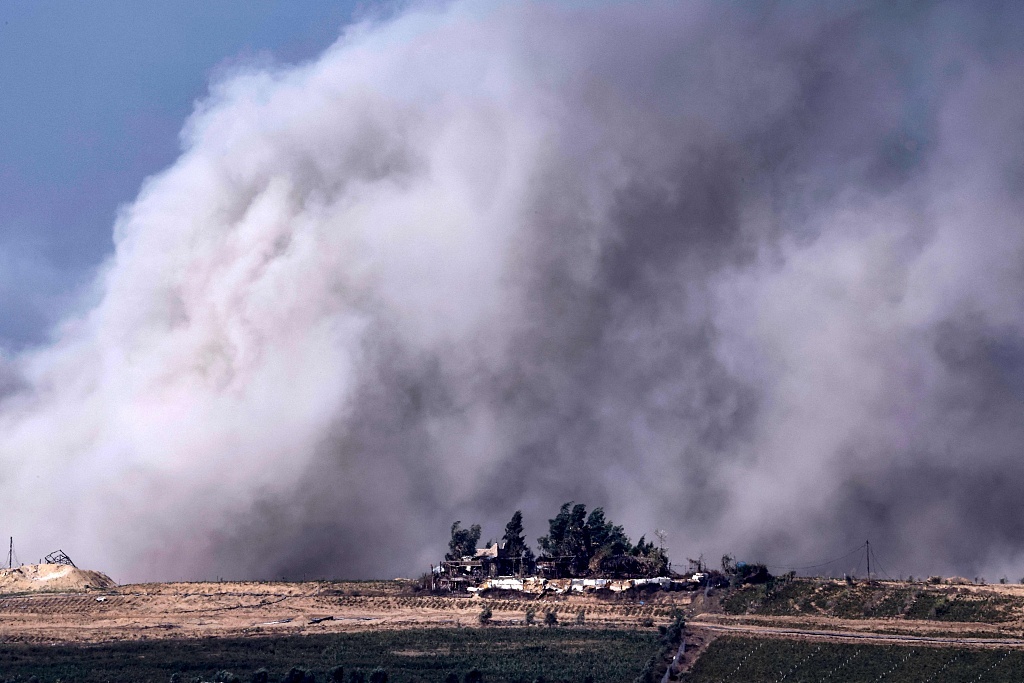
30,578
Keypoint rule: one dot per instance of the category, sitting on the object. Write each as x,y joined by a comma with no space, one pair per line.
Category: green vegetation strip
503,655
811,597
732,659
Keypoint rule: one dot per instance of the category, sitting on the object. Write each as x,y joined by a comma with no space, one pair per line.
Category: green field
825,597
753,660
501,654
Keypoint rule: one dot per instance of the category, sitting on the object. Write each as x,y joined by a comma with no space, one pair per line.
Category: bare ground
196,610
215,609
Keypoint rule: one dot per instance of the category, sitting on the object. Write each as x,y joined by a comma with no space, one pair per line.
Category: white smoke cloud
726,273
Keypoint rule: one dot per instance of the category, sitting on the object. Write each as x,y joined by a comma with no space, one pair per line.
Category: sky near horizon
93,96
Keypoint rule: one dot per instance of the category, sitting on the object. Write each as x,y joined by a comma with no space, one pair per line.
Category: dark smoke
749,273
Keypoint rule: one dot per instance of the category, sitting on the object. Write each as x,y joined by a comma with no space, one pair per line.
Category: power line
879,566
818,564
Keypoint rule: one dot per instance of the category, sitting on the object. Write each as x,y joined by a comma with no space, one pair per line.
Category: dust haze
751,273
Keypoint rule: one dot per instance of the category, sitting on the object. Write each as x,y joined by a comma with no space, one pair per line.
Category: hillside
806,597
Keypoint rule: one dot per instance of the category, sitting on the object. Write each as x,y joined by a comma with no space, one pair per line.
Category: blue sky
92,96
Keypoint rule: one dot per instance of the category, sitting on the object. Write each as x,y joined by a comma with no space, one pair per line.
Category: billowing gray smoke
753,274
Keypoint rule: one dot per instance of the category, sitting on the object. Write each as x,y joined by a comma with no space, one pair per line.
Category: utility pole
10,554
867,550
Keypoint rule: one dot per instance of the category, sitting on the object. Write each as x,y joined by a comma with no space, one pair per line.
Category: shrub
485,615
260,676
649,674
451,678
378,675
295,675
356,677
473,676
647,622
673,633
551,618
337,674
531,613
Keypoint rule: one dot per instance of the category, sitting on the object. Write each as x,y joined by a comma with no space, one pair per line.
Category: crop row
749,660
829,598
409,655
442,603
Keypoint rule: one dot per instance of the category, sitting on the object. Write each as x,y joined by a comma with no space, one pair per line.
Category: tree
550,618
515,541
473,676
378,675
485,615
531,614
568,536
592,541
605,535
565,531
653,559
463,542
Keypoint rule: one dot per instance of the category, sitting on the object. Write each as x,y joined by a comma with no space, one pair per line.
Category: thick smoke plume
749,273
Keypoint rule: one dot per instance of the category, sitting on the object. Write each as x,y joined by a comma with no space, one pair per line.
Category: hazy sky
92,97
750,273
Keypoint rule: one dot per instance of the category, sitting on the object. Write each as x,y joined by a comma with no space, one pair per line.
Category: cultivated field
196,610
408,655
748,660
821,629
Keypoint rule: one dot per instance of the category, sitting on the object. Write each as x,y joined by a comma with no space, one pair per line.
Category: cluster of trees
591,544
578,543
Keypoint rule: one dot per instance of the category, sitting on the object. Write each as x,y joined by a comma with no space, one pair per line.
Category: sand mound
51,577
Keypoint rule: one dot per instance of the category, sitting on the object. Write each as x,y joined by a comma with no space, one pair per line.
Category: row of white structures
535,584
